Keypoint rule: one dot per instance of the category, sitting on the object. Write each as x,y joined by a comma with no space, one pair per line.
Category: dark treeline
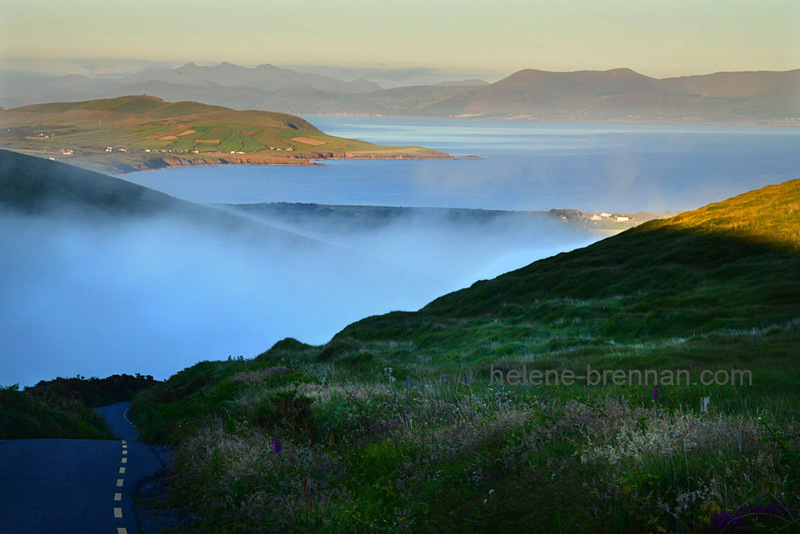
94,392
62,408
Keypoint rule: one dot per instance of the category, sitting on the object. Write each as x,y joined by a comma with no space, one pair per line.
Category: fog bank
95,296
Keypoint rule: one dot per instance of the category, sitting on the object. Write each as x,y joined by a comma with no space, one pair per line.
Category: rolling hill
263,77
145,132
421,421
614,95
34,187
224,84
731,266
622,94
764,97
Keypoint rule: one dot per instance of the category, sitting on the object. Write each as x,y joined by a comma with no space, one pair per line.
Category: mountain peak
622,71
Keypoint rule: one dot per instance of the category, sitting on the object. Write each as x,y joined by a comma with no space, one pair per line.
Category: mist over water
101,295
153,296
452,248
95,296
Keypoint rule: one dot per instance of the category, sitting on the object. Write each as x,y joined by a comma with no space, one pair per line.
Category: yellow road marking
120,482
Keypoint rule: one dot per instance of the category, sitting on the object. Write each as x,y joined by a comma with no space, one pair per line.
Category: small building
623,219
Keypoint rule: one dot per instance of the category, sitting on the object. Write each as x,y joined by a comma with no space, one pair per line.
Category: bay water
524,166
156,296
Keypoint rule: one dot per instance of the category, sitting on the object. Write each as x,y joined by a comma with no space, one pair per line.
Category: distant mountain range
764,97
223,84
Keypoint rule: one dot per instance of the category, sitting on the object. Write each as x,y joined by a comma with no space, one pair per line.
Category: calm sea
154,296
525,166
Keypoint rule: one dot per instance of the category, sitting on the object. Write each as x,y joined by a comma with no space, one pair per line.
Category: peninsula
135,133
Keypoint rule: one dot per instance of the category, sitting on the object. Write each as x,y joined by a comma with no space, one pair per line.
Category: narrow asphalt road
74,485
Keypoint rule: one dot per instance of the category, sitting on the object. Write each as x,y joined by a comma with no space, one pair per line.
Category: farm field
143,132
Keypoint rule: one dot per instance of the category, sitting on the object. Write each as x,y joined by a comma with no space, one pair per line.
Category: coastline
128,162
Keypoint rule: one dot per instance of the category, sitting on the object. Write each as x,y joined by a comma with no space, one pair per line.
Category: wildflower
277,445
655,393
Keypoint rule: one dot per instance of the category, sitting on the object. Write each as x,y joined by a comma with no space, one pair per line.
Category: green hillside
36,186
145,132
416,421
729,264
673,287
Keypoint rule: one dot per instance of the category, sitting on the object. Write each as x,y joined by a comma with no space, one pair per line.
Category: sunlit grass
398,423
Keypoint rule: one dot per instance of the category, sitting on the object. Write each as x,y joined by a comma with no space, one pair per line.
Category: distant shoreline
127,162
341,215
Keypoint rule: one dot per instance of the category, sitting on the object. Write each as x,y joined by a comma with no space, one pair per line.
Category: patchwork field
143,132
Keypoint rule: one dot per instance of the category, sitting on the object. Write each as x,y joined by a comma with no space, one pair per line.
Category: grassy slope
731,266
395,426
733,260
153,133
35,186
30,415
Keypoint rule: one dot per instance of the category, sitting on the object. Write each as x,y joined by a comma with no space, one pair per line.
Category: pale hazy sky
658,38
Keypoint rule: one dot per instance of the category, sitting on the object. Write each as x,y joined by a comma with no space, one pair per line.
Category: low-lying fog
95,297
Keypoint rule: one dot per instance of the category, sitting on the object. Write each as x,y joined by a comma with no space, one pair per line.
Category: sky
488,39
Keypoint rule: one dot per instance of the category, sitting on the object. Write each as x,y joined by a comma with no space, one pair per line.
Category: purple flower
277,445
738,520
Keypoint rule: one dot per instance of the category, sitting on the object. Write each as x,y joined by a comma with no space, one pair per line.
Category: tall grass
359,451
396,424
